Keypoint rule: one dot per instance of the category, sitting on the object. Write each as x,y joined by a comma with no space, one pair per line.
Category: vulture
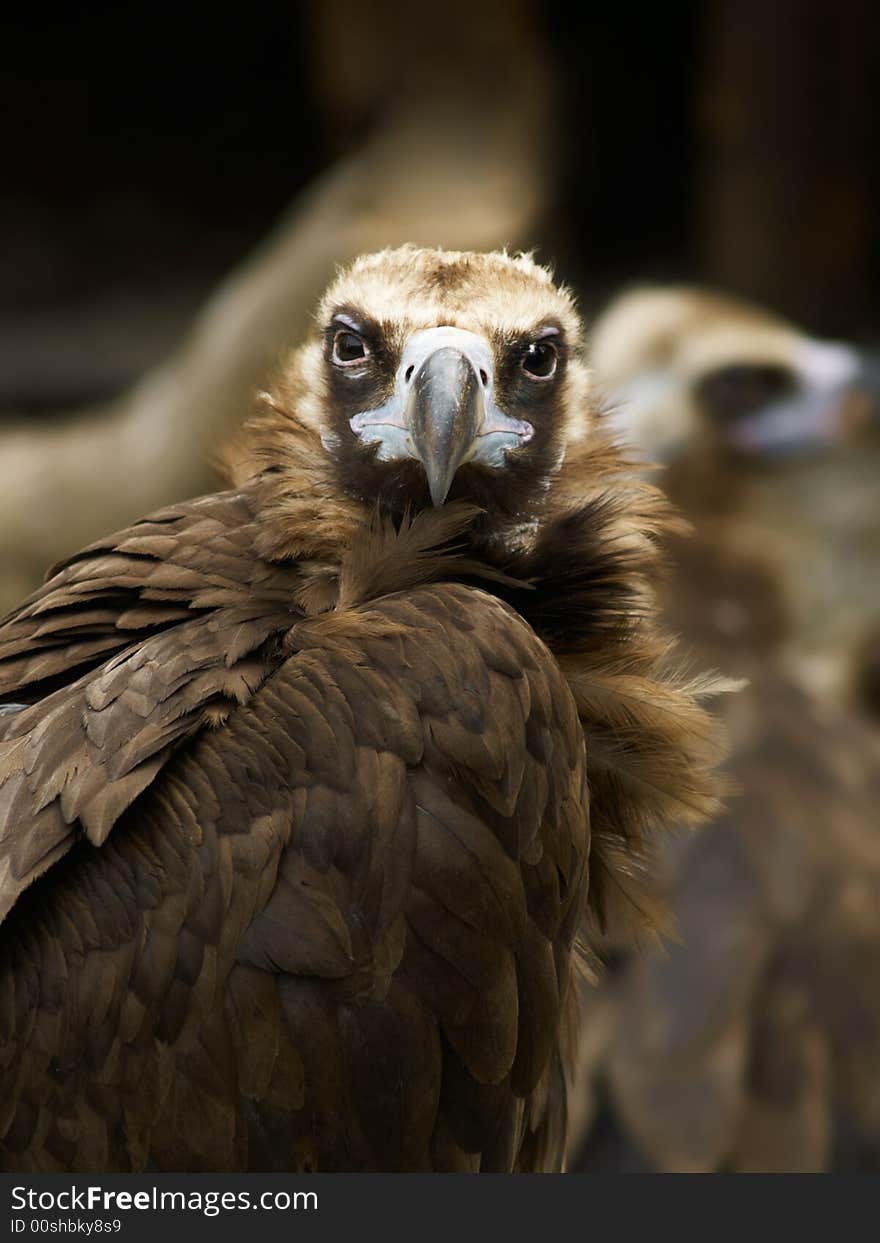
787,432
315,793
753,1042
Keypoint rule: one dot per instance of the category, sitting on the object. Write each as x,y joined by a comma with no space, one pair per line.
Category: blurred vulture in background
773,441
753,1041
308,786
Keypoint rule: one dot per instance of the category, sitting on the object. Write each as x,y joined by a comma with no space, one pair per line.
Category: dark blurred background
148,149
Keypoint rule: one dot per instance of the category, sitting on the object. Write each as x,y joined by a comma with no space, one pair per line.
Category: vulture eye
539,360
349,348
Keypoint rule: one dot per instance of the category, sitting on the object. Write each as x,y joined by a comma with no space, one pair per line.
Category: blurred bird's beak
837,397
443,410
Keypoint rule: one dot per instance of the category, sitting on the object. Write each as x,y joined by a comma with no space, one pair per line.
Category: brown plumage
753,1042
316,781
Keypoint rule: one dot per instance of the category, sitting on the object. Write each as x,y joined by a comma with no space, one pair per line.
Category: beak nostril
407,375
484,379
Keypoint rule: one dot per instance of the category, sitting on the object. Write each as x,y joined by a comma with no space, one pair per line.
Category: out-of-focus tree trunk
458,153
783,198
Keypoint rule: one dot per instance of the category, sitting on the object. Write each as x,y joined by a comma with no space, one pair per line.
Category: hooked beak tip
439,491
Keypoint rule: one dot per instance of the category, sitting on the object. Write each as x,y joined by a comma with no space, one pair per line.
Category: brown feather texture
315,785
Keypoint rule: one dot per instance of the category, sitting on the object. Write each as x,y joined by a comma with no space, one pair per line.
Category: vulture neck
726,592
580,568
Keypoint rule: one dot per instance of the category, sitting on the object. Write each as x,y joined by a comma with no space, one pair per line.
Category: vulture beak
837,396
442,411
445,411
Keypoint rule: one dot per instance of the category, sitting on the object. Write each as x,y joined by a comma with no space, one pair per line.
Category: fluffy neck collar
582,572
584,560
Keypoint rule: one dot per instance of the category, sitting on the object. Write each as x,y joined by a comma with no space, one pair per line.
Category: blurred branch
459,156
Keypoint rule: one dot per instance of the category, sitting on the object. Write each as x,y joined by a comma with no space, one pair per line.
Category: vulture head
687,366
435,376
770,438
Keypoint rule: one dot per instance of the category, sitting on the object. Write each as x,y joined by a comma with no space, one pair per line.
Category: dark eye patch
347,319
739,389
522,394
355,381
380,351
